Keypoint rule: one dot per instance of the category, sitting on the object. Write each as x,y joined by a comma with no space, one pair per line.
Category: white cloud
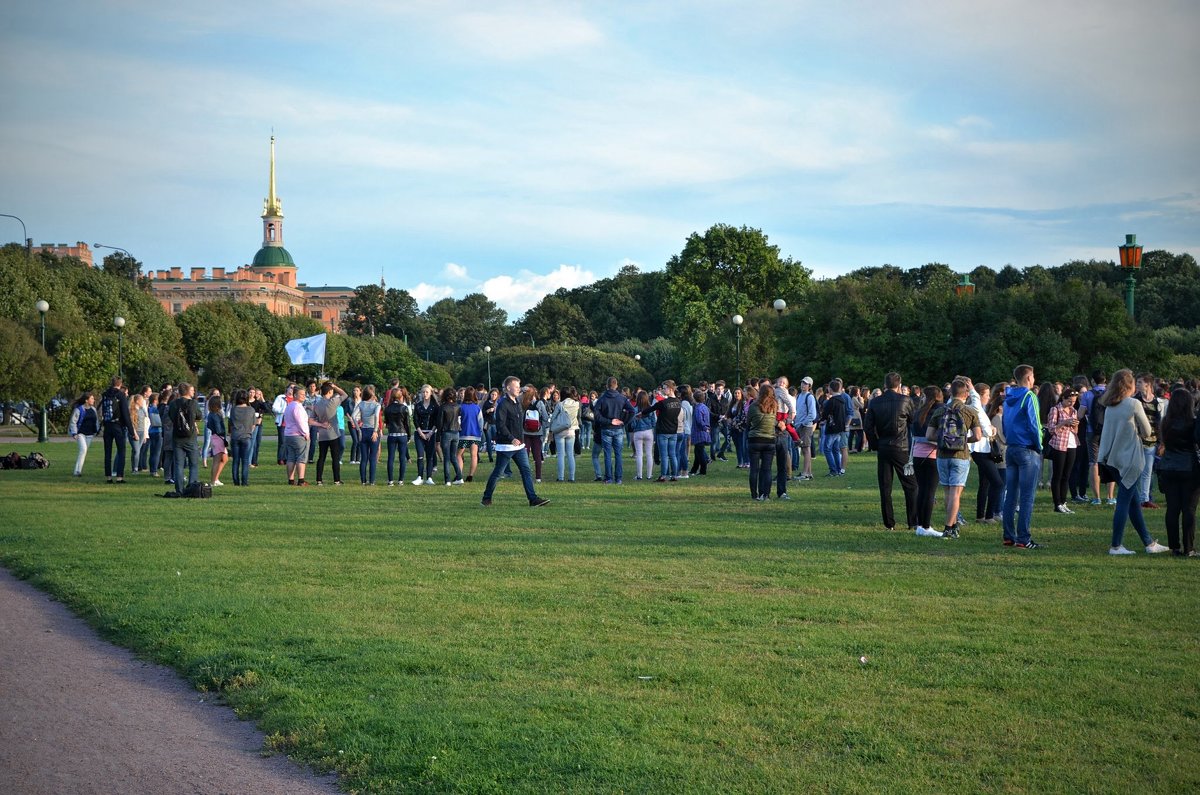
454,271
426,294
517,295
523,32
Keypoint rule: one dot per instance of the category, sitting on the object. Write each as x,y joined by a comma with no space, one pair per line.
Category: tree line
642,326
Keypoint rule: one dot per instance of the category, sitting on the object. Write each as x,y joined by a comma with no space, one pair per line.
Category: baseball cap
807,380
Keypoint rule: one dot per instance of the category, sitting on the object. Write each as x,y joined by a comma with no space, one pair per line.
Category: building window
271,232
176,309
317,315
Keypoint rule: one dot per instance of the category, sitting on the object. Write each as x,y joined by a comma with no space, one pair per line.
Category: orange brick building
269,280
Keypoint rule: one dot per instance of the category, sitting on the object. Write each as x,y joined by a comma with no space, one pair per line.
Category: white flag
307,350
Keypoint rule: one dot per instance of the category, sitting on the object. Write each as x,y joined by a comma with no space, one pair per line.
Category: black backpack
181,419
1095,417
198,491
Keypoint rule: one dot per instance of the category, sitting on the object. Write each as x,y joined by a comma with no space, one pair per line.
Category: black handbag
1109,474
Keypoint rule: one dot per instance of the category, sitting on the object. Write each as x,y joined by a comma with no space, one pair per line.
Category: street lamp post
1131,263
119,325
737,324
779,305
43,307
532,341
24,235
132,276
488,350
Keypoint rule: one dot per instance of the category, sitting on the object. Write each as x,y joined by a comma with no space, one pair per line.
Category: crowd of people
1092,436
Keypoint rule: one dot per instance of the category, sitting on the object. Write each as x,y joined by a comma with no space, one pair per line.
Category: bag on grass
11,461
35,460
198,491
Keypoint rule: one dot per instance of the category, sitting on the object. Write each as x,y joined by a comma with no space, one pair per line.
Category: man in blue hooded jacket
1023,431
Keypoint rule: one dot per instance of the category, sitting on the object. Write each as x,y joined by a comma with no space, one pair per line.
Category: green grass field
647,638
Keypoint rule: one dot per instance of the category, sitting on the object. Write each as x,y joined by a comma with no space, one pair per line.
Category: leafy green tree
659,356
459,327
212,330
724,272
555,320
391,311
123,266
26,372
626,306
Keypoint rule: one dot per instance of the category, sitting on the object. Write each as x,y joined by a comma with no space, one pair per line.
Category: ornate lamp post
488,350
964,286
1131,263
43,307
737,324
532,343
119,325
779,305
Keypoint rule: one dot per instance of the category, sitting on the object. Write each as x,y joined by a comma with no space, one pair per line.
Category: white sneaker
428,481
1154,548
219,483
928,532
448,483
391,483
459,482
418,482
1062,509
1121,551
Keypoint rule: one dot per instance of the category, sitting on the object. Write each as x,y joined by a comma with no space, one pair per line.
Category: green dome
273,257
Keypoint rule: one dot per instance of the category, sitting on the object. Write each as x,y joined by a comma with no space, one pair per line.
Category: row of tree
221,343
643,327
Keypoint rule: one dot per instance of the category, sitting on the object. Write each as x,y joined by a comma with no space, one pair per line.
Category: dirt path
79,715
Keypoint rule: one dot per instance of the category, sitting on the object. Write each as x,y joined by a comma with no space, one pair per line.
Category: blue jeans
565,441
255,444
187,456
681,452
397,445
668,443
721,442
1023,468
614,442
368,451
596,448
1129,509
831,446
741,446
449,444
1143,485
155,447
503,459
241,450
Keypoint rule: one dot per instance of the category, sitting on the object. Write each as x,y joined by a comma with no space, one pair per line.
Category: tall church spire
272,210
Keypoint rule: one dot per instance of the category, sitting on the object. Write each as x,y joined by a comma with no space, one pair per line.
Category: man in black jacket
886,423
113,408
510,444
612,412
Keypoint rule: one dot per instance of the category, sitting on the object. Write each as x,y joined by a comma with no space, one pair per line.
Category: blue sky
514,148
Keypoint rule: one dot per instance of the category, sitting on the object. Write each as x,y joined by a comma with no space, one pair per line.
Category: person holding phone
1063,426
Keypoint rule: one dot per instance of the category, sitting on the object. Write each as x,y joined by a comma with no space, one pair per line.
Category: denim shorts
295,449
953,471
